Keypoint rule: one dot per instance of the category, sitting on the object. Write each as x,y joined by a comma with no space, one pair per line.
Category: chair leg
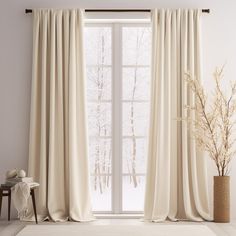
9,205
1,201
34,205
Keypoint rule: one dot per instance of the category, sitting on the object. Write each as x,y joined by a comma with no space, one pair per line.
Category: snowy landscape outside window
118,80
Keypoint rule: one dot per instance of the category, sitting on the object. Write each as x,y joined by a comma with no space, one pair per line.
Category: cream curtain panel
58,157
176,186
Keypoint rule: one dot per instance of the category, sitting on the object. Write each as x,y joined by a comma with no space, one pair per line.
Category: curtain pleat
58,149
176,182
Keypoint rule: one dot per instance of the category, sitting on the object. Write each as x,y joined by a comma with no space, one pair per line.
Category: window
118,76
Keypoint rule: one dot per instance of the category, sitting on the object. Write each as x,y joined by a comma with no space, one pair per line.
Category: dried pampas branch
213,123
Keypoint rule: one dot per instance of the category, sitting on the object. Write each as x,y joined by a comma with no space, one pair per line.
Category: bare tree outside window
98,52
136,77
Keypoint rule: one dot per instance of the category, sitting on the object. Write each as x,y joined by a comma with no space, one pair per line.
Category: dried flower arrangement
213,121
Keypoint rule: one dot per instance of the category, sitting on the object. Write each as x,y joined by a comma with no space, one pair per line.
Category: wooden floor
13,227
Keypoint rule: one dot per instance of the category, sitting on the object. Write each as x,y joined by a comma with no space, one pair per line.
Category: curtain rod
118,10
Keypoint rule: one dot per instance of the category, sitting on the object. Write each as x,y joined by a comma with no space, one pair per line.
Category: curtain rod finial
28,11
206,10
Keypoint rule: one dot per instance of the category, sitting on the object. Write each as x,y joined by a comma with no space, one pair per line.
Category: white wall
219,46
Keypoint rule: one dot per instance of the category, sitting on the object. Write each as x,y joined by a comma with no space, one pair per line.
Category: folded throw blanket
20,195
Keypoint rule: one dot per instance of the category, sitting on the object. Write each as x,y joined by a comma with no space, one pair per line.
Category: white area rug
117,230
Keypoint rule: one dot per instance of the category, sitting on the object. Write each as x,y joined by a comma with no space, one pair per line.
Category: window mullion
117,119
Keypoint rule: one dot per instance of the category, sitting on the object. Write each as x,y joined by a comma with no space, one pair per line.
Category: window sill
119,216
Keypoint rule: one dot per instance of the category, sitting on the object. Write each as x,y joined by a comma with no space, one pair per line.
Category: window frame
117,111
